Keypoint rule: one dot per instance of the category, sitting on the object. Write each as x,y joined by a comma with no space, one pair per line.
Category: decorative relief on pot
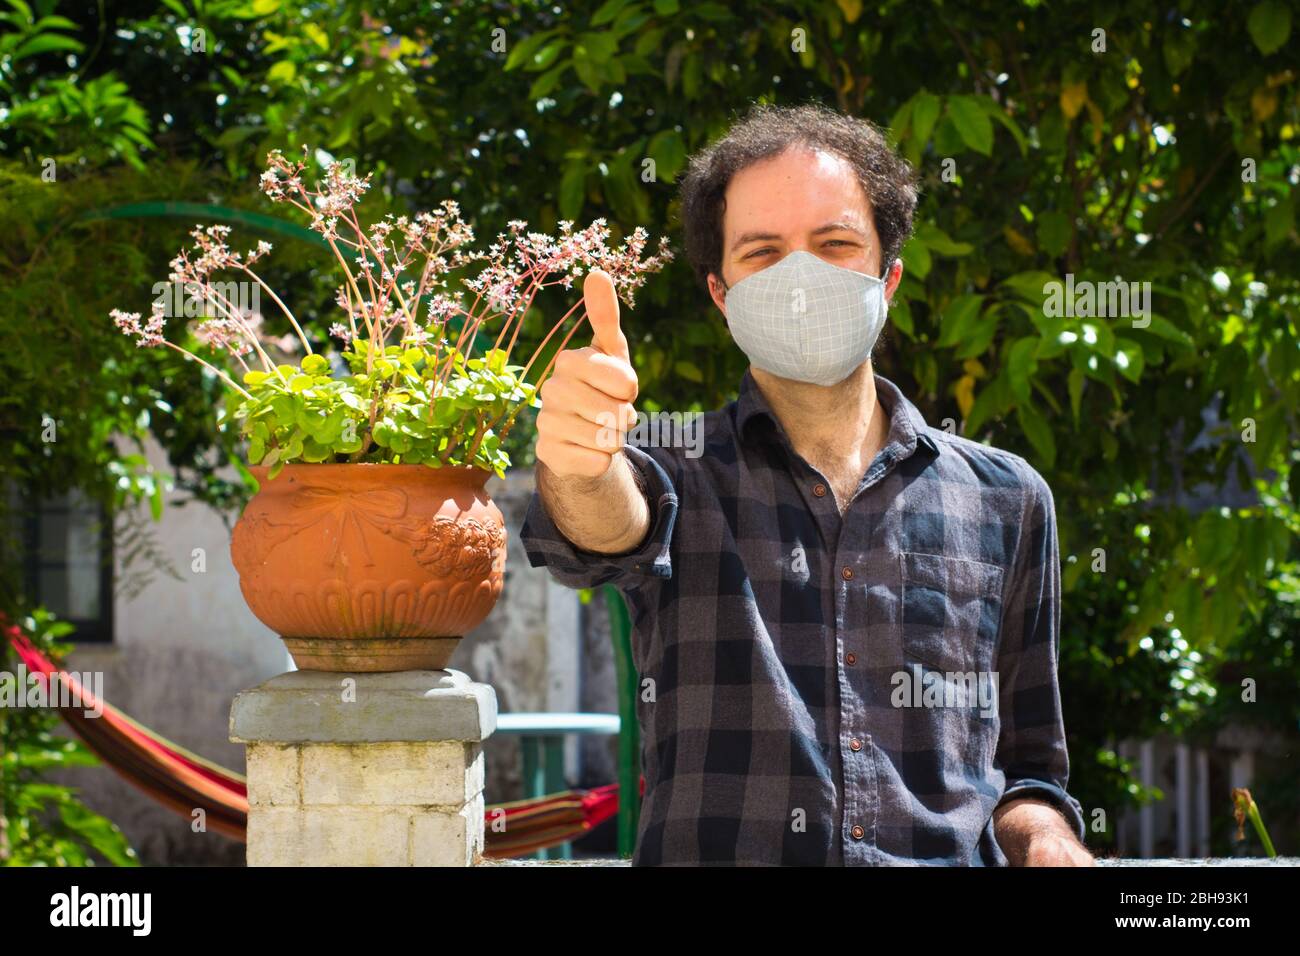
342,509
393,609
461,548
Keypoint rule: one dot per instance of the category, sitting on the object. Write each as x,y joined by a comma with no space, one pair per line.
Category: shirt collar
907,426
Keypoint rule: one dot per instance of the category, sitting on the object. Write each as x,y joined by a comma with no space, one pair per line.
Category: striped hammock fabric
184,782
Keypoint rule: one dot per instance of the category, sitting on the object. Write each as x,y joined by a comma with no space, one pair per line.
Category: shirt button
851,659
855,744
858,833
847,574
819,490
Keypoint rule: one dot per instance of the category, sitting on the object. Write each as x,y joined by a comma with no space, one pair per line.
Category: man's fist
586,403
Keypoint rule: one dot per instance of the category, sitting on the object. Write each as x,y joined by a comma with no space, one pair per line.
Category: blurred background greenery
1136,140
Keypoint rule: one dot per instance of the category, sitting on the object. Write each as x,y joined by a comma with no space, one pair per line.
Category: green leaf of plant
940,243
1129,359
282,72
527,48
925,111
959,318
1075,386
607,11
1269,24
547,81
669,153
1053,232
916,257
315,364
1038,432
46,43
689,371
972,122
1021,365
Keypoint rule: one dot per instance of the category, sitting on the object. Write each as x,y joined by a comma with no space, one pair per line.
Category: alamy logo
656,430
960,689
72,909
191,300
25,689
1085,300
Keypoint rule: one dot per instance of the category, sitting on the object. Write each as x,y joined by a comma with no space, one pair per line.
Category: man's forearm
607,515
1033,832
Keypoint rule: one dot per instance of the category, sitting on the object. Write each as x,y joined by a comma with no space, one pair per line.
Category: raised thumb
602,312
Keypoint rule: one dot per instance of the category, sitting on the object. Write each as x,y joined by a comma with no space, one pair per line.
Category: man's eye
759,252
838,242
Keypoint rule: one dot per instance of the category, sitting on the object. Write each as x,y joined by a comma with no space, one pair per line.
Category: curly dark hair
766,130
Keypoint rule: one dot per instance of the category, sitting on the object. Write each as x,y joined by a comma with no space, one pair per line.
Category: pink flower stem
210,367
283,308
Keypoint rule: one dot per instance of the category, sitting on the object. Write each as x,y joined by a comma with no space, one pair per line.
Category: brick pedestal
365,769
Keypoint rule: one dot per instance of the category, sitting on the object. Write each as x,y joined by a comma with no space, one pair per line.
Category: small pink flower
147,336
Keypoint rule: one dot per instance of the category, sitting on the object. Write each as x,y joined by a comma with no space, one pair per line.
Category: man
817,596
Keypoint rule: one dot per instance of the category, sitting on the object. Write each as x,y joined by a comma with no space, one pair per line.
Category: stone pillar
365,769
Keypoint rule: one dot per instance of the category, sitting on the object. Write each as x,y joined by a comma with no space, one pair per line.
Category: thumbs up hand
586,403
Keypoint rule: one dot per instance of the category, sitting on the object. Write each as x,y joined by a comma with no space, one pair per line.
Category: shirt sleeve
1032,747
652,561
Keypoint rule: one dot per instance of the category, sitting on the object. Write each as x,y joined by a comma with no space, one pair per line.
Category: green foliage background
1168,155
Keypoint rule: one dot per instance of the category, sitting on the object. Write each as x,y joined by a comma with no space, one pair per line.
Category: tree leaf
607,11
1053,230
959,318
1269,24
1021,365
525,49
972,123
46,43
1075,384
916,257
1038,432
925,111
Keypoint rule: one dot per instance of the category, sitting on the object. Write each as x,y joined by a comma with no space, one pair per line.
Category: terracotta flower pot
370,567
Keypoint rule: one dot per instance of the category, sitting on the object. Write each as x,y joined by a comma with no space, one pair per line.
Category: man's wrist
579,506
1033,831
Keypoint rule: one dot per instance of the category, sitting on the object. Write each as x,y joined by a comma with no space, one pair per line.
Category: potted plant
371,544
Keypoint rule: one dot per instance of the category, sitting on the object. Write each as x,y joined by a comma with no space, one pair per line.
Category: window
69,564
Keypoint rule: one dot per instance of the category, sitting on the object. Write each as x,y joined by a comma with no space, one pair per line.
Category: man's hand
1033,833
583,477
586,403
1054,850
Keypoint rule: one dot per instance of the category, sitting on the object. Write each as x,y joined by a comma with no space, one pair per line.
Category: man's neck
838,430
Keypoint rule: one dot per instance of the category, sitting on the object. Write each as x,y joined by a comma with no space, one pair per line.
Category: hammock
184,782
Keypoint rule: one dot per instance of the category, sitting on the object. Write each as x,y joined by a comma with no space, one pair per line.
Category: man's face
798,199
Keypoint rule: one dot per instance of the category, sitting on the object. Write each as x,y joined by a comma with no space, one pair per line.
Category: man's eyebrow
838,226
747,237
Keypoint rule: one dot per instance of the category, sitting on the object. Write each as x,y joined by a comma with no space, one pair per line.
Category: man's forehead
795,193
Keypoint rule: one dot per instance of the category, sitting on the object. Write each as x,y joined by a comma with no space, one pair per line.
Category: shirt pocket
951,612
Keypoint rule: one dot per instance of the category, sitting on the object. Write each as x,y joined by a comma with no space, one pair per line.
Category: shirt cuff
547,547
1069,807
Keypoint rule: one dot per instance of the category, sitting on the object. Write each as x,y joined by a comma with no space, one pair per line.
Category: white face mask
807,320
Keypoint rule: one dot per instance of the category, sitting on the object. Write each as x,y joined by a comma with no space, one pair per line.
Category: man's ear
893,276
718,292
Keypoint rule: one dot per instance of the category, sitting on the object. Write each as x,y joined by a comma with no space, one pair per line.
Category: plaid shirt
776,642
